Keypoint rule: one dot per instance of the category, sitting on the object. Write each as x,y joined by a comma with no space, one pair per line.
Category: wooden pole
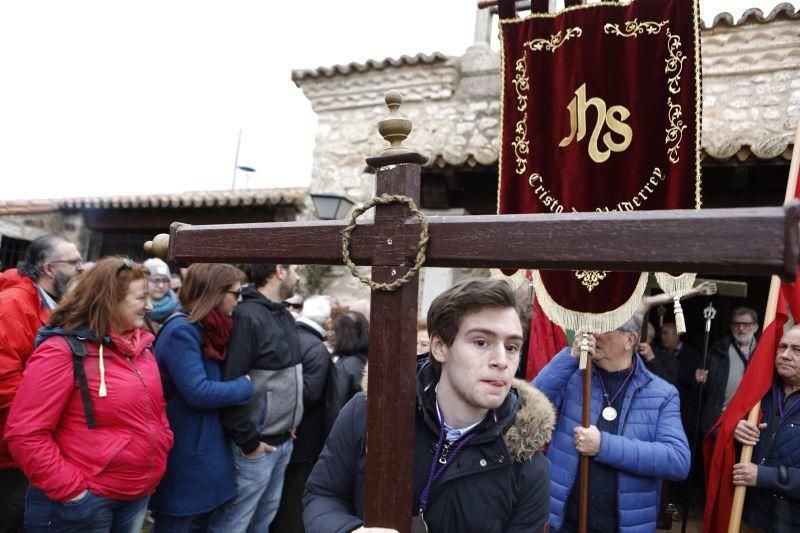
586,413
746,456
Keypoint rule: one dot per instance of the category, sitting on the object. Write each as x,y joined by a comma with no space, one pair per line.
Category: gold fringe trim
591,322
675,285
515,280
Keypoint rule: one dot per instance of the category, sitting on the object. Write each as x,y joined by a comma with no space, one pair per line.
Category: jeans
13,485
180,524
259,483
89,514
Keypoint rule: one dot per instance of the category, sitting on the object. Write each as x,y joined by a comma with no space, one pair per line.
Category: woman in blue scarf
162,298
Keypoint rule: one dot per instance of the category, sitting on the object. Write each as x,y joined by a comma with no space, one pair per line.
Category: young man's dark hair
463,298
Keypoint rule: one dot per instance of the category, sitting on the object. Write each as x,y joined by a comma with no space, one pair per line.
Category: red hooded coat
124,457
21,316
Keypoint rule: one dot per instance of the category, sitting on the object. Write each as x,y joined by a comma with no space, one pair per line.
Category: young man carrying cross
478,432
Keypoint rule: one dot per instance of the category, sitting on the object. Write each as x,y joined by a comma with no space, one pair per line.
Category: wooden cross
757,241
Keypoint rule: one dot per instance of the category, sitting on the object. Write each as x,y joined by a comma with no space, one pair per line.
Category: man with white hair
311,431
635,439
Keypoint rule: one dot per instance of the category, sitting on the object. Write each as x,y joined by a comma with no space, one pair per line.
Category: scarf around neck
164,307
127,343
216,331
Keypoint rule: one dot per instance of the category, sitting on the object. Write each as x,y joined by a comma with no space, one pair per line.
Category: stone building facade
751,109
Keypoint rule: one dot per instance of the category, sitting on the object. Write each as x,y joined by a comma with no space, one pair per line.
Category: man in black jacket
480,430
311,432
727,361
263,344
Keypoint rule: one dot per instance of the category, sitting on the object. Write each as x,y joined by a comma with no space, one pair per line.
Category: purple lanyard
789,408
621,387
436,472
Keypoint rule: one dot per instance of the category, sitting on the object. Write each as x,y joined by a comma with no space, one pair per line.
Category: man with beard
27,295
727,361
264,345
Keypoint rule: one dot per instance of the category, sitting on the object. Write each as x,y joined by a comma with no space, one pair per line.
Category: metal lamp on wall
331,206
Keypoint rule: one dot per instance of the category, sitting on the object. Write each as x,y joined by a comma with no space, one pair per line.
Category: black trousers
13,485
290,513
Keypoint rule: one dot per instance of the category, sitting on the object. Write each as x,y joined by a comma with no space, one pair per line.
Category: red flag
720,454
546,339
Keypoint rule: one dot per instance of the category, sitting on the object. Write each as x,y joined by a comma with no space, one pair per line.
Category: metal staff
708,313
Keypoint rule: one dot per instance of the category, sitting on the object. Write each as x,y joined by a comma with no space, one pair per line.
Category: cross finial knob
396,127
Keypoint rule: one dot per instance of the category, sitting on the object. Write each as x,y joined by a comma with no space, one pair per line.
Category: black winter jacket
265,345
778,458
316,361
500,481
344,381
714,387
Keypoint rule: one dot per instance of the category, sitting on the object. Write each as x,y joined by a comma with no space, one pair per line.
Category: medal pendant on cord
609,413
418,524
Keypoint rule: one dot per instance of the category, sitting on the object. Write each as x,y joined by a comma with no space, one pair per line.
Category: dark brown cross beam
675,241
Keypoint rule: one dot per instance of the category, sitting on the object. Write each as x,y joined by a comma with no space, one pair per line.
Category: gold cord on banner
676,286
424,236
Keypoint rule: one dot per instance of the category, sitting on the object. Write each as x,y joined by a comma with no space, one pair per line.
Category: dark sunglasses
290,305
127,264
237,292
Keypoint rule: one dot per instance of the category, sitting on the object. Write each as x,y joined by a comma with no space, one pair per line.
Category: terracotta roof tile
243,197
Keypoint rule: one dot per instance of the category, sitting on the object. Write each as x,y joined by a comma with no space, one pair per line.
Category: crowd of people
219,399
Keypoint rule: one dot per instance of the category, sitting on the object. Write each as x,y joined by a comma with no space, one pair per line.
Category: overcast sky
107,97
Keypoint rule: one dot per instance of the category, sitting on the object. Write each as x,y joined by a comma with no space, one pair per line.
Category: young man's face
480,364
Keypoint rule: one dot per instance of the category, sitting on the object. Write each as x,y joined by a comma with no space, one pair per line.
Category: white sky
107,97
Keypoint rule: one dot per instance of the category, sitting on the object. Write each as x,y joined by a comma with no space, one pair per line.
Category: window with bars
12,251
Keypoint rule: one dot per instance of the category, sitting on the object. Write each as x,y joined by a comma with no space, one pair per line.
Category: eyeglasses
236,293
74,262
742,324
127,264
290,305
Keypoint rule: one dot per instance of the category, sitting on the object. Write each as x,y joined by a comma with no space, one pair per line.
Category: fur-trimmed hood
533,424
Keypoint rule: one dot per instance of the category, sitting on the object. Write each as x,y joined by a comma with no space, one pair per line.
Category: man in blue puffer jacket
636,440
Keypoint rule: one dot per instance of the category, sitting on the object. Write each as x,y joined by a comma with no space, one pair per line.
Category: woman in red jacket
88,426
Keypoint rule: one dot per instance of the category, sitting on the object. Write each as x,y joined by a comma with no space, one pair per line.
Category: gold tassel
680,322
102,392
676,286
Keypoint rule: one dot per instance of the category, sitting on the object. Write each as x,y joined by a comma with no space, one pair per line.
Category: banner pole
586,411
746,456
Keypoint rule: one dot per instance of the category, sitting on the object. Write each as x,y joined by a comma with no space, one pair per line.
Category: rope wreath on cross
424,236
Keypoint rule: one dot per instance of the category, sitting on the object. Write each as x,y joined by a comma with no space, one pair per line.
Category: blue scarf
164,307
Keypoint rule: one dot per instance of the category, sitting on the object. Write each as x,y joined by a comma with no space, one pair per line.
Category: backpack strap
175,314
79,351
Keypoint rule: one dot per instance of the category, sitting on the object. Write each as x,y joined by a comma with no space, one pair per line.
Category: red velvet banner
601,112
